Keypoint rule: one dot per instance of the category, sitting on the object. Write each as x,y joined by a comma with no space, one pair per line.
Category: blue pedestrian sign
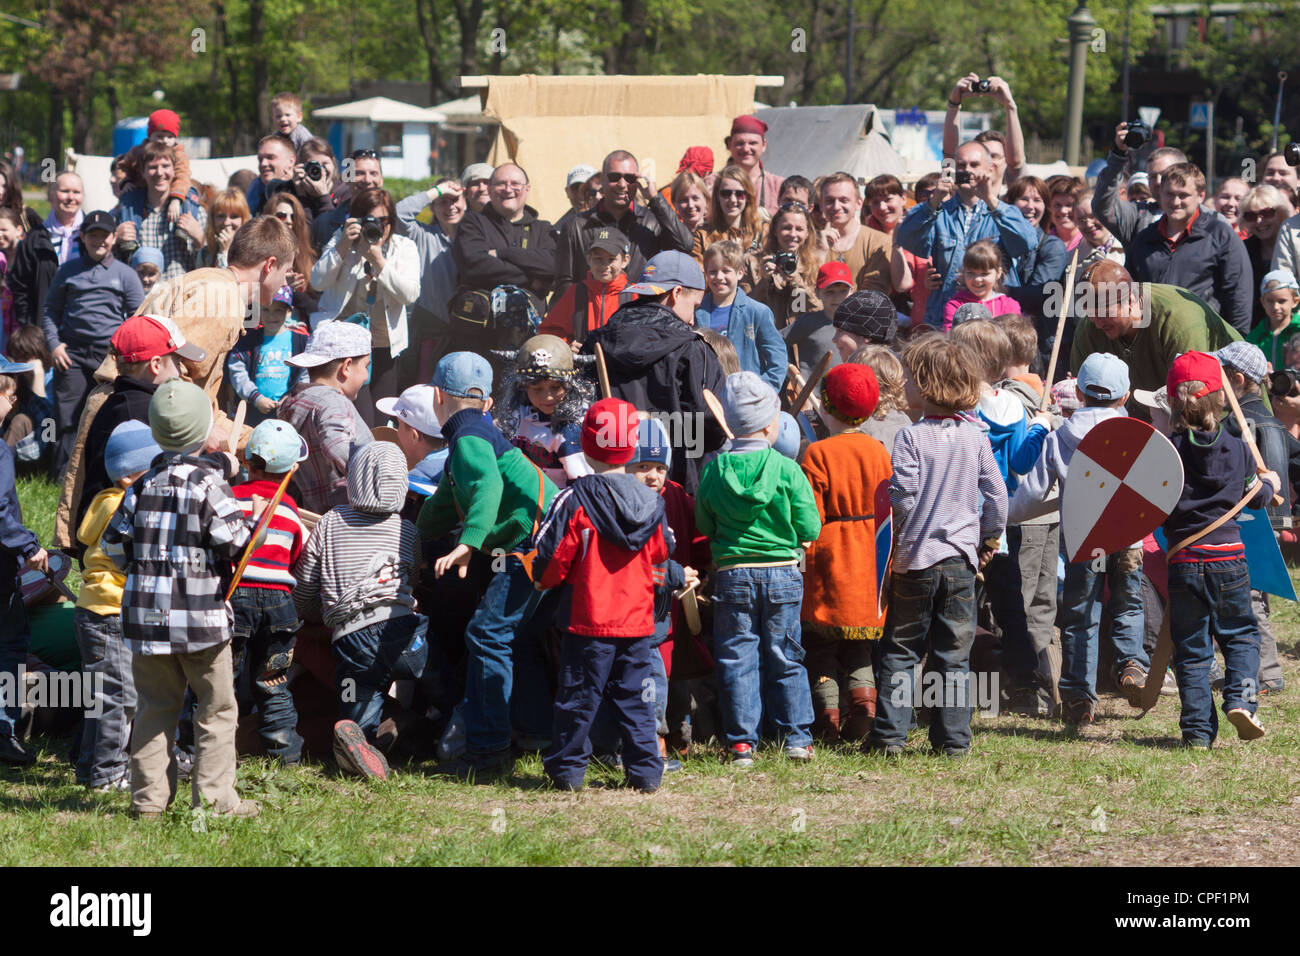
1200,118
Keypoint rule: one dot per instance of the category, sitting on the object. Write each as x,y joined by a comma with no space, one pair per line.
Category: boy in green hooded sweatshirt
758,508
498,497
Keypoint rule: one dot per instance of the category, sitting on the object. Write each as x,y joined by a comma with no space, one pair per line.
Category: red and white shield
1124,479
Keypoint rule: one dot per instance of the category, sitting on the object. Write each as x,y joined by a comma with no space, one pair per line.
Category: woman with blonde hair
690,199
226,213
733,214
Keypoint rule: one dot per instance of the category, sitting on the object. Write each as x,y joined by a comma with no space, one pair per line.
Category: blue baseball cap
1278,279
278,444
460,373
666,271
8,367
652,443
1103,375
788,441
130,448
148,256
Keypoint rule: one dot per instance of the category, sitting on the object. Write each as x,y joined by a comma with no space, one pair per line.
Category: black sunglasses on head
364,154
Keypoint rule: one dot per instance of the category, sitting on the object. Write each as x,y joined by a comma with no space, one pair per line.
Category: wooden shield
1124,479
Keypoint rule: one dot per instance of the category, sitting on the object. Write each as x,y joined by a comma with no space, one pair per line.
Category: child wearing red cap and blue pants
606,536
1209,582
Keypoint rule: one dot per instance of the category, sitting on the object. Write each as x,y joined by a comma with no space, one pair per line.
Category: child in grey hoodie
355,573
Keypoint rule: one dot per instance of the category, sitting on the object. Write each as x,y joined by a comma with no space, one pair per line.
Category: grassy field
1028,794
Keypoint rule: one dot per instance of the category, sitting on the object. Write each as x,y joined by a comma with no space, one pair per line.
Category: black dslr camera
963,178
1284,383
1136,135
1291,153
372,229
313,170
980,86
787,262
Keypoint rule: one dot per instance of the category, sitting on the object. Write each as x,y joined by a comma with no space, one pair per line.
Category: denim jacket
752,330
944,236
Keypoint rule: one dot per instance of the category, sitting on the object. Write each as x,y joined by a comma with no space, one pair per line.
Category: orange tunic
839,584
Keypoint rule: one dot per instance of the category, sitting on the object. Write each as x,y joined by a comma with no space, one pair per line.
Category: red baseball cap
142,337
834,272
609,431
164,120
1195,367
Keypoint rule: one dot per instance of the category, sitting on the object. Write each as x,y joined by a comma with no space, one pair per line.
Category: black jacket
29,276
525,251
660,364
1211,262
128,401
650,229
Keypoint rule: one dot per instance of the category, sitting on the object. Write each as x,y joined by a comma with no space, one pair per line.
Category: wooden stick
1246,435
1062,314
602,373
814,379
309,519
259,531
1160,658
232,443
715,407
691,607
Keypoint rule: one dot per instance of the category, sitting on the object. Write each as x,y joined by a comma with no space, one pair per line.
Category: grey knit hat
749,402
180,416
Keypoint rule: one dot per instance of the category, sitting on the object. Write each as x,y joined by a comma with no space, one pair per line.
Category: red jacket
606,536
601,302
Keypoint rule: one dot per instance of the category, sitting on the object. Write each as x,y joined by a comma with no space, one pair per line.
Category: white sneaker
121,785
1248,726
799,753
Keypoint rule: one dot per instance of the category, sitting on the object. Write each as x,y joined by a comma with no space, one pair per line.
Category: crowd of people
609,487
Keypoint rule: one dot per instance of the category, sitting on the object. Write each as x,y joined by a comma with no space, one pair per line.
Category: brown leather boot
826,725
862,713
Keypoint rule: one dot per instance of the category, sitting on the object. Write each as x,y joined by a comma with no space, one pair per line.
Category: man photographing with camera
1006,150
960,211
1125,218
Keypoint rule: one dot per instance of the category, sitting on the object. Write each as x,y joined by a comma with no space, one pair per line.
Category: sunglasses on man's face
629,178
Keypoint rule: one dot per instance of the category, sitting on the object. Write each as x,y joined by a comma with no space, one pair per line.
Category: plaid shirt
178,249
175,535
333,429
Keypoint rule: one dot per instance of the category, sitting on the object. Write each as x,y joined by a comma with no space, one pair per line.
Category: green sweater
1273,346
1180,322
756,507
488,486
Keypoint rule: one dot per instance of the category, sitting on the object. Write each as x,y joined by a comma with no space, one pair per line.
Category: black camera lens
372,229
1291,153
1283,384
964,177
787,262
314,170
1136,135
981,86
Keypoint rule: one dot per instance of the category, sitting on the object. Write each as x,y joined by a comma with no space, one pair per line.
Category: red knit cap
851,392
609,432
748,124
698,159
165,120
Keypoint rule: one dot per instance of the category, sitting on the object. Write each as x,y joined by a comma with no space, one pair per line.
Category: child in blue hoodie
758,509
1016,439
1102,386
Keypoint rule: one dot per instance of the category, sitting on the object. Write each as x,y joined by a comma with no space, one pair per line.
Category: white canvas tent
815,140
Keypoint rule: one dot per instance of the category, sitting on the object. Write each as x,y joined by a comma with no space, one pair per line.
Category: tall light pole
1081,26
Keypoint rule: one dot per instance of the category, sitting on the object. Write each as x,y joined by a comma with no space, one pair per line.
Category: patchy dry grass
1026,794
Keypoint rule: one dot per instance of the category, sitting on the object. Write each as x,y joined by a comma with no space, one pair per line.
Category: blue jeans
368,660
1211,599
265,628
759,655
511,609
597,672
1081,607
15,636
938,603
104,756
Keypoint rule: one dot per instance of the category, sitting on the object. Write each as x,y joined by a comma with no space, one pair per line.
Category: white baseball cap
415,407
